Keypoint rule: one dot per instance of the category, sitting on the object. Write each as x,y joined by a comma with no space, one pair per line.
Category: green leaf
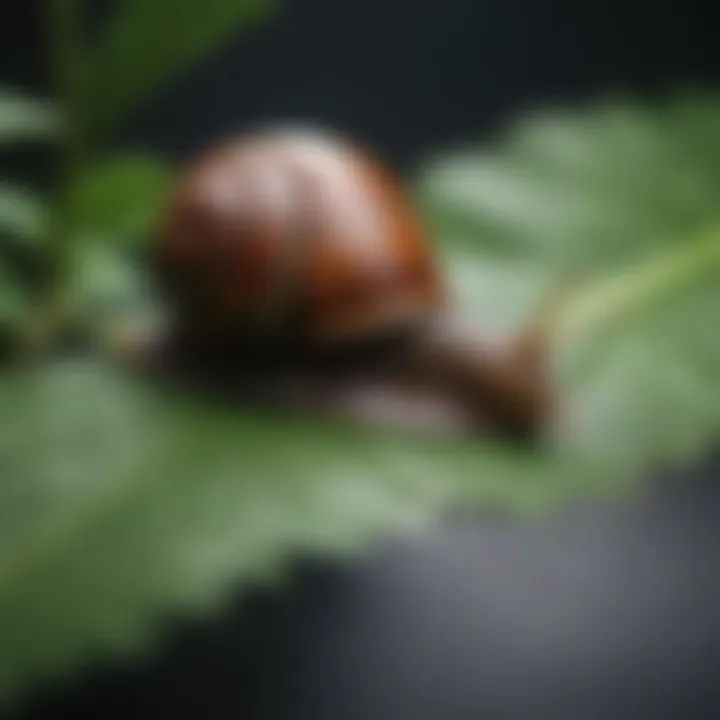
110,292
23,214
24,118
148,42
640,360
23,219
13,303
115,200
625,197
119,500
114,203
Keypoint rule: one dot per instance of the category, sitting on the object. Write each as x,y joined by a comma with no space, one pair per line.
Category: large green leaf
119,500
25,118
625,198
146,43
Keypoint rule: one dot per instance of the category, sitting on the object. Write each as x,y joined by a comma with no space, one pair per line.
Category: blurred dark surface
605,611
404,76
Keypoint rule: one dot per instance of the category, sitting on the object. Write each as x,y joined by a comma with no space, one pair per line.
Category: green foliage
110,290
143,45
623,198
23,214
23,217
119,499
24,118
13,303
147,43
113,204
115,200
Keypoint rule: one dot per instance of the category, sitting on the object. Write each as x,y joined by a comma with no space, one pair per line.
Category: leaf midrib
619,296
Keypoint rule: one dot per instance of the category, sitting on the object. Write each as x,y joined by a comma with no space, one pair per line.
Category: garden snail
288,251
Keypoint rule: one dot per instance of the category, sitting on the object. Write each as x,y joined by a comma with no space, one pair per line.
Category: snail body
296,256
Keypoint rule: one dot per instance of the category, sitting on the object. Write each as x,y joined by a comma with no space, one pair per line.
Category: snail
294,263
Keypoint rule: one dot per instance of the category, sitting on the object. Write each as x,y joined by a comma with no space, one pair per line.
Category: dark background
605,611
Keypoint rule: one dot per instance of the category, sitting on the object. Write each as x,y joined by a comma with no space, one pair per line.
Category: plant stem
63,19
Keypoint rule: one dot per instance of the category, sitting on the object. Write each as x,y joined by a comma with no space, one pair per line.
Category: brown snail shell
292,235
